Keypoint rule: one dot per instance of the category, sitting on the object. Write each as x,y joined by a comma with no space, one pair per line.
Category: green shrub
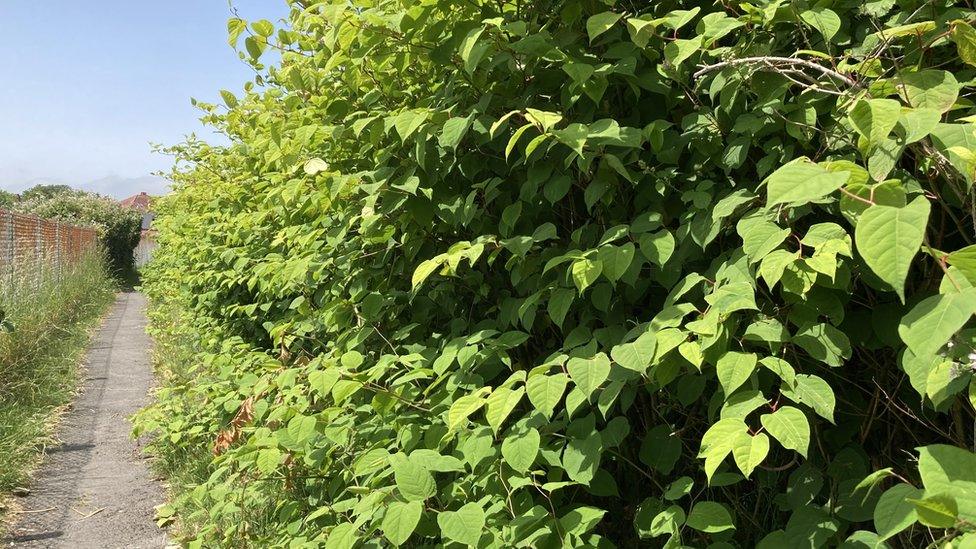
119,228
7,199
543,274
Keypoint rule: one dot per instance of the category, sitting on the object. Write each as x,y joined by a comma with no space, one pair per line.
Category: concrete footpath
95,489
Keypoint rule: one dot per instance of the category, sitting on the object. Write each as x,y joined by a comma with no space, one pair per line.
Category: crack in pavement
95,489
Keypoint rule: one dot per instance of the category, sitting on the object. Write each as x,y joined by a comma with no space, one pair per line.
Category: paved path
94,490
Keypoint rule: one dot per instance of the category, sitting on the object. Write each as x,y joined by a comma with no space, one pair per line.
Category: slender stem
773,61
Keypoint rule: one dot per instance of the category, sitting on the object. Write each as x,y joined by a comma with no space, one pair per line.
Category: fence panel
144,251
32,248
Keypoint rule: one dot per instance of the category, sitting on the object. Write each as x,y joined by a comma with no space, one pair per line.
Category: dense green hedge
578,273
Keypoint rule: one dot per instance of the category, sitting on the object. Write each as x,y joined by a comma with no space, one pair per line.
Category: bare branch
778,62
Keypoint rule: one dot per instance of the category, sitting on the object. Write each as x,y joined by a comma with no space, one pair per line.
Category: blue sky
87,85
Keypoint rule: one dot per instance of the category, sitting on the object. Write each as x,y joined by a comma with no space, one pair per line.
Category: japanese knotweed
578,273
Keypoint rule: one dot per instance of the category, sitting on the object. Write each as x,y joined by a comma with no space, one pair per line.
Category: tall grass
52,318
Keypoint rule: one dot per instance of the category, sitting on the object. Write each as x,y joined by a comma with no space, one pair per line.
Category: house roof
139,202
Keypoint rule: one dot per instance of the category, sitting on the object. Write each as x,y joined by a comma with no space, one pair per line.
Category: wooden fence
32,248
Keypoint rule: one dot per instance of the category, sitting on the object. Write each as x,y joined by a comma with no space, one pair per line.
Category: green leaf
322,381
351,360
501,402
749,451
229,99
343,389
343,536
679,488
235,28
435,462
500,124
692,352
918,123
679,18
614,233
965,261
535,144
414,481
710,517
934,320
949,469
579,72
815,393
462,408
585,272
716,25
424,270
453,132
544,120
589,373
464,525
884,158
949,138
802,181
573,136
581,520
910,29
545,391
718,441
471,50
520,448
513,141
268,460
743,403
678,51
657,247
888,239
928,89
409,121
301,428
315,166
964,36
733,369
772,267
255,47
729,298
824,343
781,368
875,118
938,511
768,330
789,426
559,304
760,236
616,260
601,23
401,520
637,355
668,521
893,512
640,30
581,458
824,20
263,28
